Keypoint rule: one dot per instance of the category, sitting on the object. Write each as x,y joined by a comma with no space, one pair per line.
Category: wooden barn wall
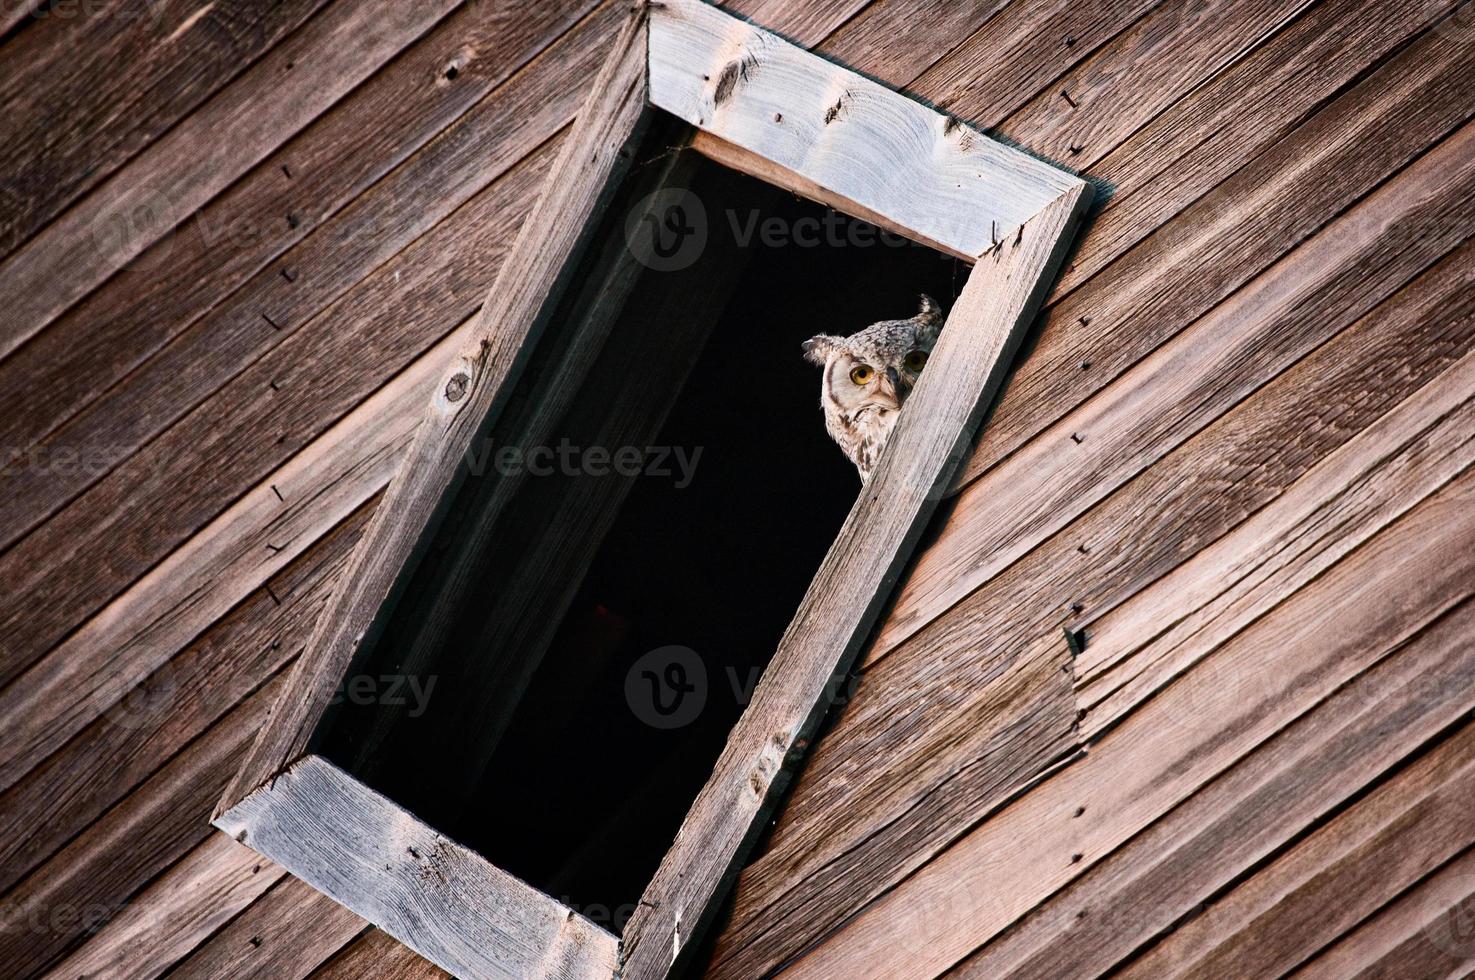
238,241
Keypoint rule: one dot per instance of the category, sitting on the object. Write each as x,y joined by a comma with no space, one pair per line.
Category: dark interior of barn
713,511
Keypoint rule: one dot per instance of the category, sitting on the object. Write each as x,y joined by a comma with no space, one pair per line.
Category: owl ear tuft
817,348
928,310
930,316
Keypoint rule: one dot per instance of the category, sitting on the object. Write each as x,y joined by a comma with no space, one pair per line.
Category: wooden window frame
771,109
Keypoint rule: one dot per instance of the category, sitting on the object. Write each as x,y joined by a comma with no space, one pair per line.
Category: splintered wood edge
443,900
779,112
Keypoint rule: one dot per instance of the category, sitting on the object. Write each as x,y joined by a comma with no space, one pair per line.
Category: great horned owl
868,375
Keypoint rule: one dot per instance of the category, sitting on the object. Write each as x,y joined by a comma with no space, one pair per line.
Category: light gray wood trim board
444,901
873,150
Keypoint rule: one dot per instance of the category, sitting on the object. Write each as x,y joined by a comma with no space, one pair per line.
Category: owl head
868,376
873,370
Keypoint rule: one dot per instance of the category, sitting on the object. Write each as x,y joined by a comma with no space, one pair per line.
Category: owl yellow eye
861,374
915,361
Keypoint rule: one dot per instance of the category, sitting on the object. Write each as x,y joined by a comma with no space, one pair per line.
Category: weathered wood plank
284,935
1122,430
1317,764
1139,73
1202,139
1423,933
579,183
1341,502
868,42
843,132
1330,161
16,11
171,703
1018,53
84,885
441,899
1343,872
845,808
378,954
821,870
126,73
193,162
805,24
206,575
1266,677
259,262
191,473
842,603
174,914
155,462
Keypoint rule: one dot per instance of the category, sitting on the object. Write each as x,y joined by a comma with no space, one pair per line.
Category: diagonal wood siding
1235,454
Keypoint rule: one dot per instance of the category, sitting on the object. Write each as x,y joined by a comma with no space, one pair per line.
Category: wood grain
1236,115
1019,53
442,900
89,881
378,954
875,829
172,703
843,132
175,913
1423,930
1328,882
99,63
1046,483
371,178
280,403
1331,161
284,935
1276,416
1138,74
1192,731
1179,867
842,603
215,568
1342,501
182,170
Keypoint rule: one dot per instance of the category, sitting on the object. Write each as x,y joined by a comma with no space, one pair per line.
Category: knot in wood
456,387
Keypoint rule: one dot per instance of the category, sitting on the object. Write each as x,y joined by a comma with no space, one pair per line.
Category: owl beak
887,393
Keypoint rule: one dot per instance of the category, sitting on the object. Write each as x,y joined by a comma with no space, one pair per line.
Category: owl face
868,376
